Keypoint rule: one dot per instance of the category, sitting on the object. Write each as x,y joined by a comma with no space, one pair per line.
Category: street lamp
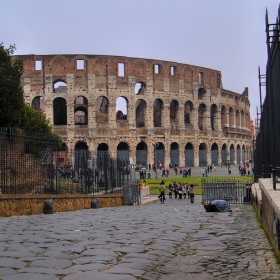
156,145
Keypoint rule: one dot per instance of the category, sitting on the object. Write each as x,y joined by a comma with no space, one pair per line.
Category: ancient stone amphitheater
140,110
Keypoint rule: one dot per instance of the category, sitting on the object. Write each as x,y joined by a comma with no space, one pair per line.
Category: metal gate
174,157
238,156
81,157
224,156
214,157
202,158
131,193
189,158
123,155
141,157
159,156
229,189
231,156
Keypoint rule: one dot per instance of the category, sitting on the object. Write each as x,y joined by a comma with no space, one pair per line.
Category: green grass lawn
196,181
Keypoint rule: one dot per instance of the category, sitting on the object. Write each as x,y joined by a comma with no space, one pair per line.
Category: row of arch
231,154
224,117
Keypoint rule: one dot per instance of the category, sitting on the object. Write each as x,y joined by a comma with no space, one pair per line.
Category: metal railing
229,189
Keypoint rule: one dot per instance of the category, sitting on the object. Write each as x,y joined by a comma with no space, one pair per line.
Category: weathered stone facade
183,108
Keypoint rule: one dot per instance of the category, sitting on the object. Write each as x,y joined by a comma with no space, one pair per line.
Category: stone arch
237,116
243,154
202,154
59,111
224,154
140,113
232,154
158,112
139,88
142,154
238,154
231,117
174,154
38,103
81,110
59,86
214,118
214,154
201,93
224,116
81,155
160,153
242,119
202,120
123,152
102,106
121,108
188,113
173,114
189,155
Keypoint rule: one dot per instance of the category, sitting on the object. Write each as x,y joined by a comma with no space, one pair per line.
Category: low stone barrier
145,191
35,204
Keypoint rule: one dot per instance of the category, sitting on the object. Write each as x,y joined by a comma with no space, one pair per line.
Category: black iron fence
32,163
228,188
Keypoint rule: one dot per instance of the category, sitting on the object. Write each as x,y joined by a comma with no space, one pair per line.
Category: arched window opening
102,105
103,162
214,117
142,154
174,110
224,154
232,154
139,88
224,116
140,113
242,119
80,116
159,154
237,116
81,156
188,112
158,112
123,153
38,104
236,100
59,86
202,122
121,108
214,154
201,93
202,155
59,111
231,117
238,154
174,154
189,155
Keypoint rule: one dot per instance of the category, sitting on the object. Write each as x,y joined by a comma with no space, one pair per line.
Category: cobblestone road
175,240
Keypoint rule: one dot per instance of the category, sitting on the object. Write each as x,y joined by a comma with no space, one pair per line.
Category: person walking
162,191
191,192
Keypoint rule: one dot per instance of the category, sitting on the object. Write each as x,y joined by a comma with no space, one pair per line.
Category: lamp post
156,145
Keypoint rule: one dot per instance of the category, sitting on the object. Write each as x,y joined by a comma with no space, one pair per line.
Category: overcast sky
226,35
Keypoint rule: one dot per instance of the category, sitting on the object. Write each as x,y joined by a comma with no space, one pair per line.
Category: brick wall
34,204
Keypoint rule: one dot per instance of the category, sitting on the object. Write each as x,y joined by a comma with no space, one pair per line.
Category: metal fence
229,189
131,193
32,163
267,142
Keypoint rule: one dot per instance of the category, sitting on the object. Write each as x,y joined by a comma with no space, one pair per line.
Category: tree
11,93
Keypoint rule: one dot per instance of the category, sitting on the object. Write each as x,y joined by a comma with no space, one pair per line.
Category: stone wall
34,204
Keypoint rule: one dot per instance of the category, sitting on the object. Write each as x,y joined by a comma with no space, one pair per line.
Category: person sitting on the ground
217,206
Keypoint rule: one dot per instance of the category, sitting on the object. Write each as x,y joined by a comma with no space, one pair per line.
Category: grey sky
226,35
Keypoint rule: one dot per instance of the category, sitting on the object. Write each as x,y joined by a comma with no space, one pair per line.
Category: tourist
162,191
217,206
191,192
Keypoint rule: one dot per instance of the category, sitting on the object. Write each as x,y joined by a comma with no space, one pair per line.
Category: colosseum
140,110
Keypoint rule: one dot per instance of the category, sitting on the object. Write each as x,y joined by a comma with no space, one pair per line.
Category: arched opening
242,119
214,117
237,116
157,112
141,154
140,113
103,173
238,156
202,155
174,109
202,123
189,155
123,152
236,101
121,108
231,117
174,154
38,103
201,93
243,154
188,113
139,88
81,111
214,154
232,153
159,154
81,156
59,111
224,116
224,154
102,105
59,86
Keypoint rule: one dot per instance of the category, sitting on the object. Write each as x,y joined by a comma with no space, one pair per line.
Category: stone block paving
175,240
